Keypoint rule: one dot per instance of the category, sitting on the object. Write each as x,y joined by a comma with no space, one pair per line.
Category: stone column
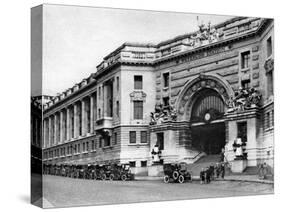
83,117
50,130
55,129
75,115
91,114
105,103
68,131
45,133
61,127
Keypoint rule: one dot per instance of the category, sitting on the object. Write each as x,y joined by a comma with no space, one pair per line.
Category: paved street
62,192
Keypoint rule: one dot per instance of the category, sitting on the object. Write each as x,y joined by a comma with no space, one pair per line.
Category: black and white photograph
133,106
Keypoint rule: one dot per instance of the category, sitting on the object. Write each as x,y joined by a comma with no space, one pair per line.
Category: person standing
222,166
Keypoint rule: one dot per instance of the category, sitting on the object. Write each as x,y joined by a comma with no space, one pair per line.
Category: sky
76,39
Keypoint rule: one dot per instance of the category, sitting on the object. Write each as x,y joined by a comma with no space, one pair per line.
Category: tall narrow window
115,138
269,77
138,82
166,78
160,140
143,137
117,108
117,83
245,59
93,145
269,47
107,141
272,118
166,101
133,137
242,131
100,142
138,109
245,84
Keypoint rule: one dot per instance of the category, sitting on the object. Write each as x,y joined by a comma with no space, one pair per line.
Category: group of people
218,170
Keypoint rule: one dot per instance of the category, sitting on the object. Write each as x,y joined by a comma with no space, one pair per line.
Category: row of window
142,163
133,137
269,119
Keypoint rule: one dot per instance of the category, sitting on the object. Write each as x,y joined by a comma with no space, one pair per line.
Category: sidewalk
247,178
242,178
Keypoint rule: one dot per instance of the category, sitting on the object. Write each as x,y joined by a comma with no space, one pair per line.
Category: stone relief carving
269,65
206,34
244,99
203,83
138,96
162,114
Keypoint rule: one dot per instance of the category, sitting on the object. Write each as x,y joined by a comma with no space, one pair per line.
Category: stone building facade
191,95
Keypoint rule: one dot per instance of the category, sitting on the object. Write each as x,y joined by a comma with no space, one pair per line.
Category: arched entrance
202,104
207,125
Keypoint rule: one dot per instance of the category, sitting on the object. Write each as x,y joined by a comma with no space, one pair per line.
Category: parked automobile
176,172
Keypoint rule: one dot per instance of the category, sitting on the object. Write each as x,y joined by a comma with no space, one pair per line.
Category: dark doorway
209,138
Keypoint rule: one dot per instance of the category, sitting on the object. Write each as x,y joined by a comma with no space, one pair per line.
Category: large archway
207,123
202,104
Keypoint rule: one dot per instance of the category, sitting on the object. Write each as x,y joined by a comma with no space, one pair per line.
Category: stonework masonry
107,116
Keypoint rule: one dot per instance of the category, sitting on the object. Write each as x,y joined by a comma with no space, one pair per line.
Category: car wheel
181,179
166,179
123,177
175,175
103,177
111,177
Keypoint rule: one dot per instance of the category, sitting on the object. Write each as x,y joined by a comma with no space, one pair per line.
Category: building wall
221,61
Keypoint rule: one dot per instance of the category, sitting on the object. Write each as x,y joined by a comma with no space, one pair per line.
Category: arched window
207,102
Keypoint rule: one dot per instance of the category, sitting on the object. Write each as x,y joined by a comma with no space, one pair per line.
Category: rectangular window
246,84
107,140
160,140
143,137
132,163
99,92
166,79
138,109
166,101
144,163
78,148
272,118
87,146
100,143
269,47
133,137
84,149
117,83
138,82
245,59
115,138
117,108
267,120
93,145
242,131
269,77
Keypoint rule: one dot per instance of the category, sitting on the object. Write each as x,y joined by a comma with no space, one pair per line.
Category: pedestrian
222,171
202,175
222,156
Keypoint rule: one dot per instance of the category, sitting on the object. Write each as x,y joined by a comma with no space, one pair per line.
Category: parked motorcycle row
90,171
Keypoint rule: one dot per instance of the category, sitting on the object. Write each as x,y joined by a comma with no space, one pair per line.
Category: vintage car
97,172
105,172
176,172
126,173
115,172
